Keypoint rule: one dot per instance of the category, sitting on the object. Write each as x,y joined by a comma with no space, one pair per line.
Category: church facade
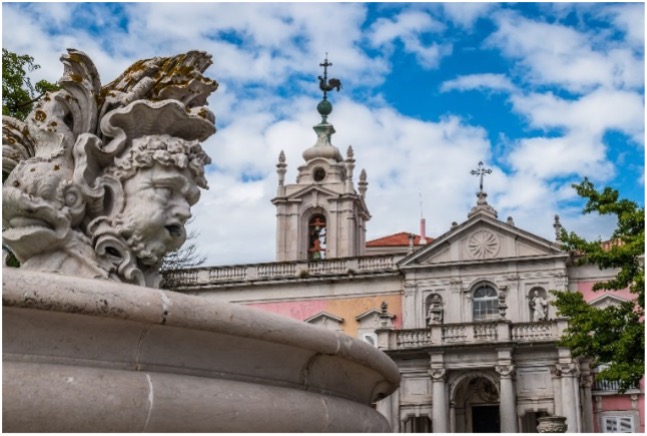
466,315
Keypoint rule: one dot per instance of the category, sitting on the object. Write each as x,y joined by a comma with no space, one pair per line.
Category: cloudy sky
544,94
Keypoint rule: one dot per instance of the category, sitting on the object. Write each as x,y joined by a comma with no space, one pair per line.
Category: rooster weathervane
328,85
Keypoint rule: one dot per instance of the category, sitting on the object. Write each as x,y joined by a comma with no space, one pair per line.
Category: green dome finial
324,108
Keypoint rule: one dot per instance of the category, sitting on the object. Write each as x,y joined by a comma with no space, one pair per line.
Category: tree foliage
18,93
615,335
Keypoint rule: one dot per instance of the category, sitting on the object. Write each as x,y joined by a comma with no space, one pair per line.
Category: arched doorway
475,405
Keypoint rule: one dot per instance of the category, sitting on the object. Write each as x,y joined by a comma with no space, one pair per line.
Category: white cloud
593,114
466,14
273,52
631,19
567,155
409,27
486,81
554,54
403,157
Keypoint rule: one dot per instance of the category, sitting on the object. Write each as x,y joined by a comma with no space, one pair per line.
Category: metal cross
326,64
480,171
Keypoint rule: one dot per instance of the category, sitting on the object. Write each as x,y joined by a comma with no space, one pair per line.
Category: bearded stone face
157,207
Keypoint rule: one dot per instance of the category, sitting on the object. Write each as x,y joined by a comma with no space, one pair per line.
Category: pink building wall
586,289
346,308
609,403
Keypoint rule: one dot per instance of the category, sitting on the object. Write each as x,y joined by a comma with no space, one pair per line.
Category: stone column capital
586,381
438,374
566,369
505,371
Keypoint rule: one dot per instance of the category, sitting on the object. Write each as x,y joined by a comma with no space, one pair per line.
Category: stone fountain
101,185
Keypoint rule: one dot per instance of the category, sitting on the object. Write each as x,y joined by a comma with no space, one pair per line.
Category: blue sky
544,94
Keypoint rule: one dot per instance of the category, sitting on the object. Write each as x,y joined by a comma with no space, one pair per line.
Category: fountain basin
82,355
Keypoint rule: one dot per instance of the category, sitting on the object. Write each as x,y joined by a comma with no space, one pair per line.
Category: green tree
615,335
18,93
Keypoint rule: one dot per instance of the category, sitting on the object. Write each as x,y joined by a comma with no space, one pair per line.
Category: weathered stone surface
127,358
103,178
552,424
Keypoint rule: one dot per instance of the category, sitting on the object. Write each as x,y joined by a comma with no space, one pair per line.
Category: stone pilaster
568,374
557,390
586,381
439,400
508,402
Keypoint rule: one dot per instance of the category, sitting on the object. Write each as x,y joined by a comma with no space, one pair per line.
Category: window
617,424
485,304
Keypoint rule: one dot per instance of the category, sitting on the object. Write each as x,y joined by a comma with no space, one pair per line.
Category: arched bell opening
317,233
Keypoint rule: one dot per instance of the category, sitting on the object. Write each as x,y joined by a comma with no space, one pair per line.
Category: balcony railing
236,274
609,386
472,333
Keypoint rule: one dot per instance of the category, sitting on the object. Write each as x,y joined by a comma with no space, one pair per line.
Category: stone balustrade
238,274
473,333
413,338
534,331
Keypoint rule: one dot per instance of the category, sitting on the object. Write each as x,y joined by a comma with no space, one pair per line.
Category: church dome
323,147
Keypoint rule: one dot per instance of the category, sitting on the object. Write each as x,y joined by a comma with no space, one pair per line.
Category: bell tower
321,216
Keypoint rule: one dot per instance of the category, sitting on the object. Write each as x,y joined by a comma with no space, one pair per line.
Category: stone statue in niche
435,310
538,306
103,178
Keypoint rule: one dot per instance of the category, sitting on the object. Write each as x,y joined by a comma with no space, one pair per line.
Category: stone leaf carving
103,178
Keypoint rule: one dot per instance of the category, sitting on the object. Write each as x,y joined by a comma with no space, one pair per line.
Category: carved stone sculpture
538,306
552,424
435,310
103,178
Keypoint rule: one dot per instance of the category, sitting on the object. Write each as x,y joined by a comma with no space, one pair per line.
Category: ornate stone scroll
438,374
505,370
103,177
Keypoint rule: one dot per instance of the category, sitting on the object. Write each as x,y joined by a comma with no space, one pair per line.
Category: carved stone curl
102,178
505,371
438,375
566,369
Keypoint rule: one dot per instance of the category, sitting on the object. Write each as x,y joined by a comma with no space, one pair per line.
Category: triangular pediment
607,300
326,320
373,318
308,190
321,316
482,238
